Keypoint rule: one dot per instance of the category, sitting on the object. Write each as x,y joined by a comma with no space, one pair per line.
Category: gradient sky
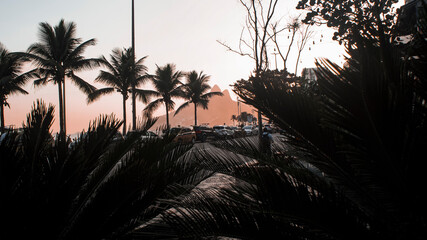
183,32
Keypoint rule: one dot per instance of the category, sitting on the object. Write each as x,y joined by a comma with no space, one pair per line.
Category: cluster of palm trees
243,117
351,166
58,56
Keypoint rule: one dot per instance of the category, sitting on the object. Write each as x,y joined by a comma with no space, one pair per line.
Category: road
222,156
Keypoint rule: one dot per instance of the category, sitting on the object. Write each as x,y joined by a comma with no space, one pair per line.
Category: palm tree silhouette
11,81
195,91
58,55
119,77
167,85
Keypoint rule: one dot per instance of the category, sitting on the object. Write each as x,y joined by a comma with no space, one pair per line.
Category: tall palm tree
11,81
167,84
119,77
196,92
58,55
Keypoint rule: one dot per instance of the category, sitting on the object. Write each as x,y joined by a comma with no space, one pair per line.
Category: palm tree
59,55
167,85
11,81
195,91
119,77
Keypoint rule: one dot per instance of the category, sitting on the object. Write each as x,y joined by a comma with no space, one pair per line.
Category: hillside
220,110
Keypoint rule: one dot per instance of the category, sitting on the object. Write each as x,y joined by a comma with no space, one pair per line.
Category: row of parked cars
203,133
200,133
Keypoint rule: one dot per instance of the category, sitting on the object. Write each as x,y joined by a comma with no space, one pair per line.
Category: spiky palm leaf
264,198
100,187
352,165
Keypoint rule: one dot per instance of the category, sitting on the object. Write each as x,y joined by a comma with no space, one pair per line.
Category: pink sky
183,32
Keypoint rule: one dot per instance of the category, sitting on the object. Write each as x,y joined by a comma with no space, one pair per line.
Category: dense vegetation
350,166
96,187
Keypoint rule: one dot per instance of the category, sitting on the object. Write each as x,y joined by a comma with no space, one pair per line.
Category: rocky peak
215,88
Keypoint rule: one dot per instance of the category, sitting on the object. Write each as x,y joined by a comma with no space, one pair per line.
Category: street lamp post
133,66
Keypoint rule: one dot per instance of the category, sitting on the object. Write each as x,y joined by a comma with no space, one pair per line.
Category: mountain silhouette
220,109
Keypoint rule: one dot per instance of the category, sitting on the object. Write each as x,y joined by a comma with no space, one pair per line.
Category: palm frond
78,51
81,84
180,108
17,90
105,63
153,106
110,79
40,81
145,95
95,95
86,64
37,130
142,79
266,197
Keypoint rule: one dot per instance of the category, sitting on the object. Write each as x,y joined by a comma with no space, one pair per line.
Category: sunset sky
183,32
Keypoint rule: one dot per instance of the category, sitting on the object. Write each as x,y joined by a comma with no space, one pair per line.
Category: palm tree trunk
133,108
61,114
124,115
2,116
195,115
64,107
167,117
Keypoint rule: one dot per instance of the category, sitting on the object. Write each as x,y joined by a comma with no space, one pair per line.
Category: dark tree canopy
351,18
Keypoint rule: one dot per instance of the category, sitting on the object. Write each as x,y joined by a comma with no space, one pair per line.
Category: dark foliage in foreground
96,187
350,166
353,163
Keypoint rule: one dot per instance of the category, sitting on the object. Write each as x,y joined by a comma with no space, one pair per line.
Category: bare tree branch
235,51
292,27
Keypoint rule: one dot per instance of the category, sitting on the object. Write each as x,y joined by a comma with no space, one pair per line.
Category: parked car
149,135
270,129
238,132
185,135
223,132
203,133
172,132
250,130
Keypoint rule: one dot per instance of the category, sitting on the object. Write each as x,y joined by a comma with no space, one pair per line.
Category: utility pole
133,67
